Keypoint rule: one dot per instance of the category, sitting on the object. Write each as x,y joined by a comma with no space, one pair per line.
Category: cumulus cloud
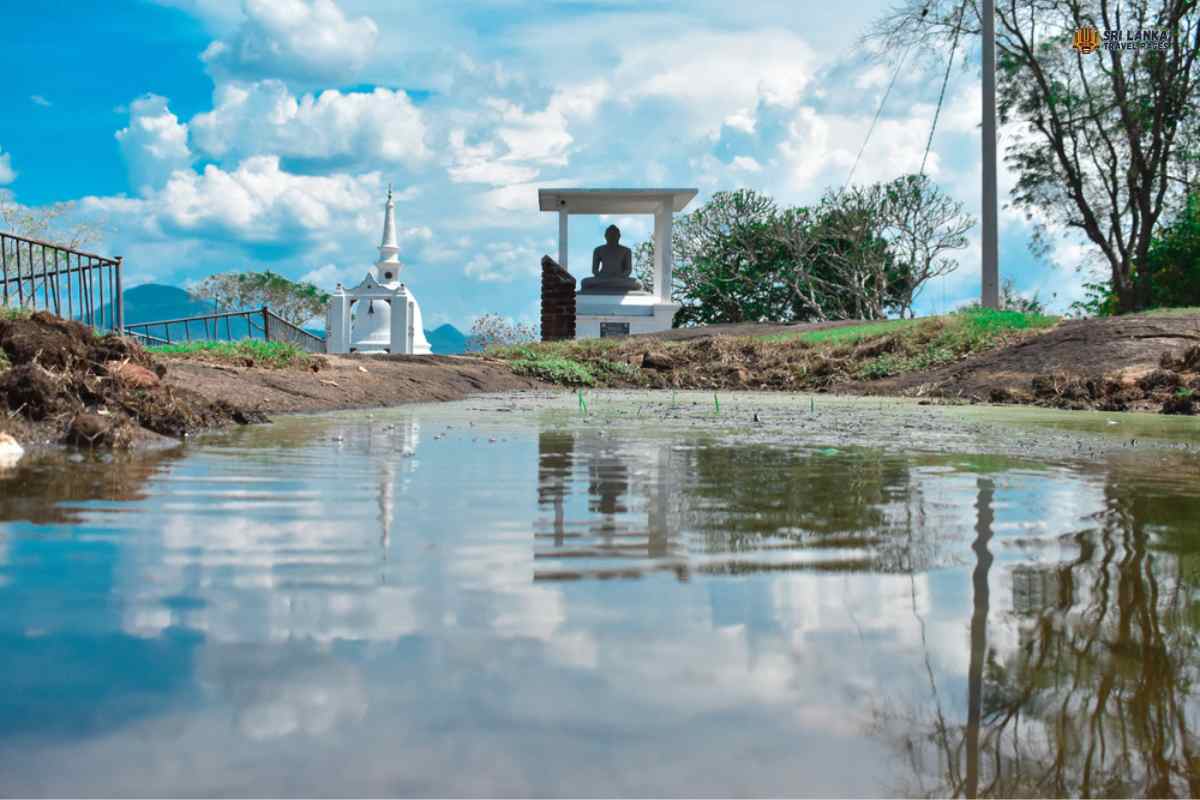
256,202
264,117
504,262
517,144
7,173
302,40
154,143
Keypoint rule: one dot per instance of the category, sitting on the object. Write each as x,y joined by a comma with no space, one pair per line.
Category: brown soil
65,384
1147,362
1118,363
338,382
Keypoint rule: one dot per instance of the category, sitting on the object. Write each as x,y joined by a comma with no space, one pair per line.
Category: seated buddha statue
612,267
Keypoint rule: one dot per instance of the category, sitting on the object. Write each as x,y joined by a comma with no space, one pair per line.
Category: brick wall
558,301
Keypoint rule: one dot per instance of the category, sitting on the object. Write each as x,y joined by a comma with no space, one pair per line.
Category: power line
878,111
945,80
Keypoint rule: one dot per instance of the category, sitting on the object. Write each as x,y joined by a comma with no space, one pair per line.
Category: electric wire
878,111
945,81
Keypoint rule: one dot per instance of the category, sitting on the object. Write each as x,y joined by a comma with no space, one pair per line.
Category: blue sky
209,135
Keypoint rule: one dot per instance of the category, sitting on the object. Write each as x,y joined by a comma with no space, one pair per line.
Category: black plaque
614,329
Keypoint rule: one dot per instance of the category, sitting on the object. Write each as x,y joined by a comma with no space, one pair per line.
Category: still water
460,600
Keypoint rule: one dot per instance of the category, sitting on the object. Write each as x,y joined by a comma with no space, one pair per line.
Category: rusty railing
259,323
45,276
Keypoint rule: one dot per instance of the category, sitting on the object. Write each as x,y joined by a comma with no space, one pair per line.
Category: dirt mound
69,384
1149,362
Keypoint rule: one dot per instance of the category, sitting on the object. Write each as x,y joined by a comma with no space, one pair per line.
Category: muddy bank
1135,363
60,383
330,383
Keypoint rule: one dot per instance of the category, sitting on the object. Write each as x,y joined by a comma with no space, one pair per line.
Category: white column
562,238
400,342
663,258
337,324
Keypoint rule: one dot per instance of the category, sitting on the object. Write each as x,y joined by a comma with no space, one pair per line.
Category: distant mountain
447,340
151,302
154,302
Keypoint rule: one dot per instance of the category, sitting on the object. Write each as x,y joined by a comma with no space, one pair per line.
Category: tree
923,226
860,253
1173,262
1108,141
493,330
52,223
727,261
296,302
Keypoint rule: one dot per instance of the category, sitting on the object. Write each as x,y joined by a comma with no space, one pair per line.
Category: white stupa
386,317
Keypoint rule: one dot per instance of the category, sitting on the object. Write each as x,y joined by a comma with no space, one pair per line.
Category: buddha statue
612,267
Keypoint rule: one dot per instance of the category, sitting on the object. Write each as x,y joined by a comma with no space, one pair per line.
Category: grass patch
12,312
935,341
847,334
261,353
554,369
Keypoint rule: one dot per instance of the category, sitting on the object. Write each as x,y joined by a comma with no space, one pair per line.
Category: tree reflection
1097,698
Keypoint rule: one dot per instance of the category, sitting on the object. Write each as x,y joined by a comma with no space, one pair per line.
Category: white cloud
257,202
154,143
746,164
303,40
505,261
38,100
7,173
517,144
264,117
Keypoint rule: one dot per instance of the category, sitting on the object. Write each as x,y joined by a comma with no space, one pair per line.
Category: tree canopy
859,253
296,302
1106,142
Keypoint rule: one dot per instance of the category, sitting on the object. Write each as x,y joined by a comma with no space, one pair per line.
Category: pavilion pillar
663,258
562,238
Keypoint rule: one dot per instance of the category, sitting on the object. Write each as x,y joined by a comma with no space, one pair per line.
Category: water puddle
501,597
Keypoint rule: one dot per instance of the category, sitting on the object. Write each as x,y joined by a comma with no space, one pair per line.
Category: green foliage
860,253
1173,263
554,369
271,354
297,302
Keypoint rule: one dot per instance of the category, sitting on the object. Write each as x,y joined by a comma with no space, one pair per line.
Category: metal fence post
120,299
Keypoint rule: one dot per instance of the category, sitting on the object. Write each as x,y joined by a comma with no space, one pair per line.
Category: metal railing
76,285
259,323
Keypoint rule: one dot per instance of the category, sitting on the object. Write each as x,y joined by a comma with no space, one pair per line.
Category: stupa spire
388,266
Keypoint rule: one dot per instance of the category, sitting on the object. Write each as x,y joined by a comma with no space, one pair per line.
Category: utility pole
991,255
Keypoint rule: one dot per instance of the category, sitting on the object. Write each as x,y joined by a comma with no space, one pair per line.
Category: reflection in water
1097,695
363,606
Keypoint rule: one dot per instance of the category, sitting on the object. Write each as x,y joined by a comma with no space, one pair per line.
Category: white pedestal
617,314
